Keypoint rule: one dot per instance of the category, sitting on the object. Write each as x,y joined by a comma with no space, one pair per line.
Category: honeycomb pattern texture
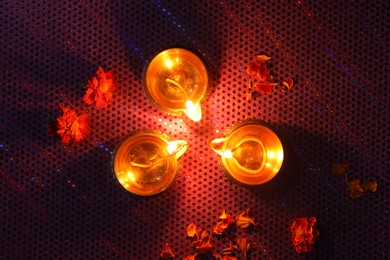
61,201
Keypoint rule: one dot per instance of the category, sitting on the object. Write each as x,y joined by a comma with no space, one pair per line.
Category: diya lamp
146,162
251,152
176,81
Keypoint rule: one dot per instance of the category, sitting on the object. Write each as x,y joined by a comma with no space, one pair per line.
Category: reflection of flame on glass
176,80
146,163
193,111
251,153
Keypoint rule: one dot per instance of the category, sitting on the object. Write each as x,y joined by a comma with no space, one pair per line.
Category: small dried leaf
167,252
244,244
340,168
191,230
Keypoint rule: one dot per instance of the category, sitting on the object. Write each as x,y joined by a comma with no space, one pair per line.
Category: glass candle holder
176,81
251,152
146,162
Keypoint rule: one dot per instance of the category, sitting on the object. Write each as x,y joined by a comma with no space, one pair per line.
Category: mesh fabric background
61,201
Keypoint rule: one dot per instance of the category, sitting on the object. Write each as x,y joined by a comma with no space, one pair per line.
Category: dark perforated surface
61,201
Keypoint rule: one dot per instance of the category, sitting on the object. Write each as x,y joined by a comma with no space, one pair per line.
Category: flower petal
167,252
264,88
244,244
261,59
191,230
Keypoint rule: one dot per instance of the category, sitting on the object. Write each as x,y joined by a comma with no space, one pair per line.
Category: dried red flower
167,252
72,127
100,88
303,235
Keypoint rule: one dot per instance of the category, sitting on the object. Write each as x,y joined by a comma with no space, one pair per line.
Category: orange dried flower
72,127
225,220
340,168
243,220
191,230
100,88
244,244
303,235
167,252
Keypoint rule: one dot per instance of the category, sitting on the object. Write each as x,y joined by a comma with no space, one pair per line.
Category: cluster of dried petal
72,127
357,189
203,238
303,234
229,249
259,72
100,88
244,221
167,252
225,220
